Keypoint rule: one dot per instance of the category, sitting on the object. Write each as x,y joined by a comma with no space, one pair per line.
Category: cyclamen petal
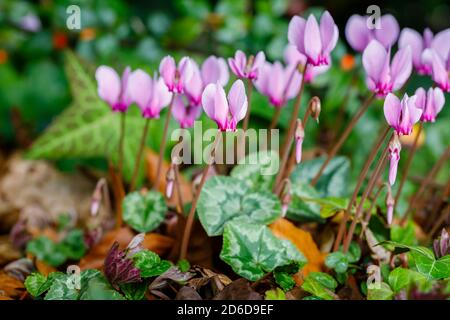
112,89
401,115
237,101
175,77
439,71
394,157
431,103
388,33
244,68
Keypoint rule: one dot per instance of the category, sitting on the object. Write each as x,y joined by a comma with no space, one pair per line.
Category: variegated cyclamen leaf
144,213
98,288
252,250
224,198
303,206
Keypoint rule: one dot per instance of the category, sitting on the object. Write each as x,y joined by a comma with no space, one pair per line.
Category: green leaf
36,284
337,261
98,288
382,291
73,246
425,262
284,280
303,206
59,289
144,213
150,264
134,291
405,235
331,206
334,180
184,265
46,250
399,278
255,170
88,128
224,198
354,252
275,294
320,284
252,250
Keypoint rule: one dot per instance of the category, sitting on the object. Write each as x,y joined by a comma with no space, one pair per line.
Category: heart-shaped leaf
144,213
303,206
379,291
252,250
150,264
225,198
320,284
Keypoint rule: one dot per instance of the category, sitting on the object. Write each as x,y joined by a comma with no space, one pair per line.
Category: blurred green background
33,35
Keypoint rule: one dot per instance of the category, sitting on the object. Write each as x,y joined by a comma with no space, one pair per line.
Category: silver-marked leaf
98,288
261,207
379,291
303,206
144,213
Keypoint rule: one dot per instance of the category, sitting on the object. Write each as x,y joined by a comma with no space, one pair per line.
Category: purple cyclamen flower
313,40
299,137
213,70
226,111
119,268
383,76
293,57
151,95
418,44
112,89
401,115
175,77
278,83
394,156
244,68
439,69
430,102
185,113
359,35
441,246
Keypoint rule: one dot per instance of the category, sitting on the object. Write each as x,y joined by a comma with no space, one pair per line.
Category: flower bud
299,136
390,202
170,178
394,156
315,106
441,246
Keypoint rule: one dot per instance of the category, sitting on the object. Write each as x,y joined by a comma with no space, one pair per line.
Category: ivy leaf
275,294
150,264
340,261
98,288
88,128
380,291
224,198
36,284
399,278
73,246
254,170
252,250
334,180
425,262
320,284
144,213
46,250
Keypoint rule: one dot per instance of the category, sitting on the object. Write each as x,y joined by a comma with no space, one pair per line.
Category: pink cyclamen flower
112,89
299,137
151,95
244,68
359,34
292,56
213,70
175,77
383,76
430,102
418,44
394,156
390,203
226,111
185,113
401,115
313,40
278,83
439,69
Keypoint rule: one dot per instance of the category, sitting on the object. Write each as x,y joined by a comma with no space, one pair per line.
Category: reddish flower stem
275,118
162,147
249,97
121,142
178,189
337,146
359,183
139,155
190,218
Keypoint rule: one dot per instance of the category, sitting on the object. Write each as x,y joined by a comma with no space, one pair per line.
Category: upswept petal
312,40
401,67
141,88
108,84
389,31
296,33
237,99
374,60
357,33
392,110
328,32
167,69
414,40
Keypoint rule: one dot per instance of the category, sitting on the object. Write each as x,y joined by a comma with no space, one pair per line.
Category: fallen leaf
151,161
10,287
7,252
304,242
239,289
44,268
157,243
187,293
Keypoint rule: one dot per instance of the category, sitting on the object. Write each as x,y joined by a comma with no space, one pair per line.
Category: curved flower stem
275,118
121,142
428,179
359,183
190,218
249,97
139,155
408,165
178,189
162,147
337,146
375,176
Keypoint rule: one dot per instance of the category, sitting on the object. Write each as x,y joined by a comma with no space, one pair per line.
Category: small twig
337,146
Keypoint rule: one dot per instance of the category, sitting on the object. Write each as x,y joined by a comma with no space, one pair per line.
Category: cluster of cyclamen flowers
187,87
